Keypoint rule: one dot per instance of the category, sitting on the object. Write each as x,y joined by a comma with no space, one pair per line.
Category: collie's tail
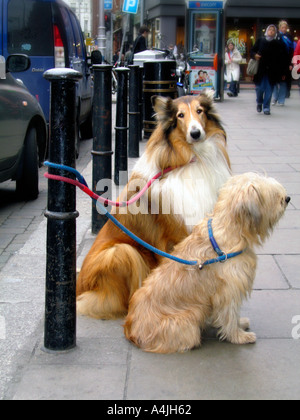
107,281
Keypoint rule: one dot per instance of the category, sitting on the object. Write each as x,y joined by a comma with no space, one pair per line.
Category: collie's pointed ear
206,99
165,110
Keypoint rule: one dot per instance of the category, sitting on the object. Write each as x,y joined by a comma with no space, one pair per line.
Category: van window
67,27
29,28
78,37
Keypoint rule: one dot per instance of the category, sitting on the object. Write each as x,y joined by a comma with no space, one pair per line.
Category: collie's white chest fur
192,190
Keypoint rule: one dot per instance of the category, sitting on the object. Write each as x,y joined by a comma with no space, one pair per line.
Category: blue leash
140,241
222,257
212,239
68,169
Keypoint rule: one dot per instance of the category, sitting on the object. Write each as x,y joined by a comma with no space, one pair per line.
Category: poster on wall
202,78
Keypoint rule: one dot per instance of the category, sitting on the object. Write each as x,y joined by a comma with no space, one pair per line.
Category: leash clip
225,259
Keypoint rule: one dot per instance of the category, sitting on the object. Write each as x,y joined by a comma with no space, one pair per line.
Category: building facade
247,20
83,10
166,20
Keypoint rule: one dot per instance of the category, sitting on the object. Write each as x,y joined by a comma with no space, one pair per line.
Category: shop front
245,24
205,38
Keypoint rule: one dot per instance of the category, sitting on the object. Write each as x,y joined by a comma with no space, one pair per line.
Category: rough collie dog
176,301
190,139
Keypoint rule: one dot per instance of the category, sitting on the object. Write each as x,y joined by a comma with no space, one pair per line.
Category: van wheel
28,183
86,128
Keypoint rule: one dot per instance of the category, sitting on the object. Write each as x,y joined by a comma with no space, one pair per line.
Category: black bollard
134,112
121,152
102,142
60,306
141,100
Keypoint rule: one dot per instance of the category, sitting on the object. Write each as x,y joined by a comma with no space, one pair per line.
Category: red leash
106,201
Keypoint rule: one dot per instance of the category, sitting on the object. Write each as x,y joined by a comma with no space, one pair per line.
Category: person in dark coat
273,64
96,57
140,42
282,89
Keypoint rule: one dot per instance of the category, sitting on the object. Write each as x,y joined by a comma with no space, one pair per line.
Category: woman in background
273,64
233,60
282,89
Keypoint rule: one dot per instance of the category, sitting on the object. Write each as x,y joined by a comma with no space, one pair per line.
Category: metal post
101,30
125,30
141,100
60,306
134,112
102,142
142,12
121,153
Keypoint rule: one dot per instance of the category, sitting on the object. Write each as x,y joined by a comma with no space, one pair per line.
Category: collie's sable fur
177,301
188,136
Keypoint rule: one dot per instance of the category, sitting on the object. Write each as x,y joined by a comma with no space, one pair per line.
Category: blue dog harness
222,257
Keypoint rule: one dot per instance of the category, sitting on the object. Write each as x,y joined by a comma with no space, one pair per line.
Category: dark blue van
50,34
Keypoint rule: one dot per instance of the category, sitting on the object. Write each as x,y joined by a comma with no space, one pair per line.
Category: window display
204,34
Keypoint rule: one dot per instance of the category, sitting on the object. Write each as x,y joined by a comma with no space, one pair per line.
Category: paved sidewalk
19,219
105,366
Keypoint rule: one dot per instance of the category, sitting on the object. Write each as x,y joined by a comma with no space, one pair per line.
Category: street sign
108,4
89,42
210,4
131,6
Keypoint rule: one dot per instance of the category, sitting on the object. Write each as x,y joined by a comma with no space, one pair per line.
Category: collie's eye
181,115
199,111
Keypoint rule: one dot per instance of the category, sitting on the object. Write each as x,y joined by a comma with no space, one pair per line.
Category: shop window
204,34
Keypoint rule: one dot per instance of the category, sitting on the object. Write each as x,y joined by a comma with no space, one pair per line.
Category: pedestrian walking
283,88
273,62
140,44
96,57
128,56
116,58
233,60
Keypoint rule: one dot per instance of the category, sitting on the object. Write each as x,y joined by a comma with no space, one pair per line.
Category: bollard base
45,350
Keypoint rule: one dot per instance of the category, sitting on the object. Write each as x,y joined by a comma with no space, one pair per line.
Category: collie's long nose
195,133
287,200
